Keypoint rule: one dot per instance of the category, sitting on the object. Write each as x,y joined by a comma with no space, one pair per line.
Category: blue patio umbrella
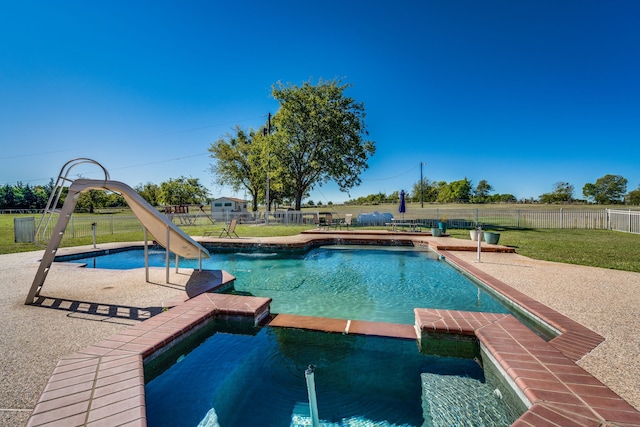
403,207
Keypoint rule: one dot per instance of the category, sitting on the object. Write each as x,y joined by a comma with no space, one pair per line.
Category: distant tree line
24,196
607,190
427,191
172,192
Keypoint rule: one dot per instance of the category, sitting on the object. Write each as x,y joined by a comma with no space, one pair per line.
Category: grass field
598,248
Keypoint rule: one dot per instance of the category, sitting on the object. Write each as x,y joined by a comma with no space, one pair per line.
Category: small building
226,208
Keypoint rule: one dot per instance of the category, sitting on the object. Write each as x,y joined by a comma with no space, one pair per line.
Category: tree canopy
607,190
562,193
182,191
481,192
240,163
633,198
429,191
320,135
90,200
455,192
149,192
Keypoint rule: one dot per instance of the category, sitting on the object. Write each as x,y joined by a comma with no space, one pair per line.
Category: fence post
629,221
518,218
561,219
73,229
111,221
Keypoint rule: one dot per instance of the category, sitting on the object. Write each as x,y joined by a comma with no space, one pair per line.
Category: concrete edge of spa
103,384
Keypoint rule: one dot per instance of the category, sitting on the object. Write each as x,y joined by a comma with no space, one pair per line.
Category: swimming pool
347,282
250,376
233,374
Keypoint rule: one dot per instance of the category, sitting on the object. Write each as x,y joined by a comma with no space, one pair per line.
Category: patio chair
231,229
346,222
324,221
321,223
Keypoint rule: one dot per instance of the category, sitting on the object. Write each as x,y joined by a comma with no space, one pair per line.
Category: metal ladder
56,193
64,215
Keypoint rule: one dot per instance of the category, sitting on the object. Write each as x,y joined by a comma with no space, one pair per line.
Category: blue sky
523,94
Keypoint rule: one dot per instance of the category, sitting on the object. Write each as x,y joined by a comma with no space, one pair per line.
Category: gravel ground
606,301
34,338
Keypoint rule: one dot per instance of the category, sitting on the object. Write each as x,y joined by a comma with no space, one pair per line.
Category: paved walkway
83,306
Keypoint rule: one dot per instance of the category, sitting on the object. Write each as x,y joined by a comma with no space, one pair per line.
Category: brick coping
556,390
103,384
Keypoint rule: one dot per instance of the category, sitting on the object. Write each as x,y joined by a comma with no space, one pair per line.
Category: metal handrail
56,193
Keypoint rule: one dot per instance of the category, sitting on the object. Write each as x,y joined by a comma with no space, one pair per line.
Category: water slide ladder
164,231
54,198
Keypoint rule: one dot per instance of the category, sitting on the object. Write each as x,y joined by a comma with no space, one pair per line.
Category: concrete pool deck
85,306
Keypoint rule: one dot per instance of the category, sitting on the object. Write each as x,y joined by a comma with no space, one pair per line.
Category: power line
159,161
40,153
122,167
392,177
132,166
212,126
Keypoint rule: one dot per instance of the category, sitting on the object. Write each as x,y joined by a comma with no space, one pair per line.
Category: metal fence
602,219
509,218
82,226
523,218
596,219
624,220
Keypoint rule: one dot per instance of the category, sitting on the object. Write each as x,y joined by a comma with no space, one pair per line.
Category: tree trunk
299,200
255,202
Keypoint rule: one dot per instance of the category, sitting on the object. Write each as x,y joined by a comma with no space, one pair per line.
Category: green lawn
598,248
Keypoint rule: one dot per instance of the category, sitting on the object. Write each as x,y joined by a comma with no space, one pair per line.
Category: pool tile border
344,326
574,340
557,391
103,384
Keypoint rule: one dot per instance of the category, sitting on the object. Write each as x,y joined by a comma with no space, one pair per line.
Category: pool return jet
166,234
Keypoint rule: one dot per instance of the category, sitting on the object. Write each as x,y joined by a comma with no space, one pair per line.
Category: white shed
224,208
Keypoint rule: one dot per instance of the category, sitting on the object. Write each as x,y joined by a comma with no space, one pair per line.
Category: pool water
257,379
347,282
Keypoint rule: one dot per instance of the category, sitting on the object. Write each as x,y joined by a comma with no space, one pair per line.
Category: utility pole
268,130
421,187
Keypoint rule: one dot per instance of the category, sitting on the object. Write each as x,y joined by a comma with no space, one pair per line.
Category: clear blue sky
523,93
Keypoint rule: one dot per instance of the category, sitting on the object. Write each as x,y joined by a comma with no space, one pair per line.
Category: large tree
149,192
428,188
182,191
481,192
240,162
320,135
455,192
607,190
562,193
633,198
